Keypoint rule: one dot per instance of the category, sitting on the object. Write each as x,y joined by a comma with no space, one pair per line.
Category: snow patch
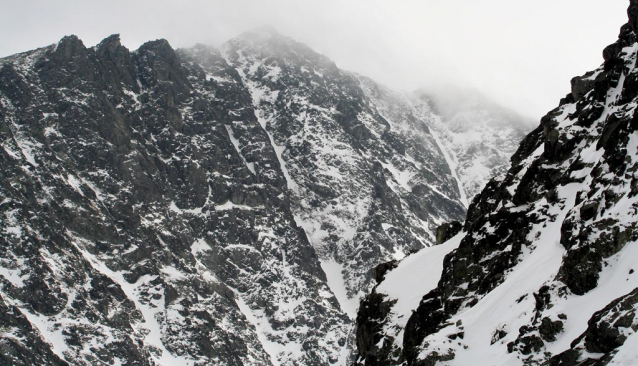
415,276
453,166
200,246
336,282
235,141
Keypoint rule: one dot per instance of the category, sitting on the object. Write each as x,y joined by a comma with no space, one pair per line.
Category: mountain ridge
198,206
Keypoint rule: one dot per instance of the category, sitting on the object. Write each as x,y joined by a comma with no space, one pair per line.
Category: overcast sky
521,53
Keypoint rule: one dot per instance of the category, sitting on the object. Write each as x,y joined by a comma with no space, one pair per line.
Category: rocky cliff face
135,229
197,206
544,271
366,186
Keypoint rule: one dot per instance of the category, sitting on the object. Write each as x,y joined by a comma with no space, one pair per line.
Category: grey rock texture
202,206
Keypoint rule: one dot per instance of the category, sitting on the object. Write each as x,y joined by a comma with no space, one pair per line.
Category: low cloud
522,54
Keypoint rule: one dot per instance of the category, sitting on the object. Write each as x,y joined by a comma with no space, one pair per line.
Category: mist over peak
263,31
452,101
497,47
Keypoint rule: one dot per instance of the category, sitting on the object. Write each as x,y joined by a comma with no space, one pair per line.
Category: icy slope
545,270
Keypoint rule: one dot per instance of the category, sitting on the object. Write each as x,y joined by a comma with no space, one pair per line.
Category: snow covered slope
395,298
544,273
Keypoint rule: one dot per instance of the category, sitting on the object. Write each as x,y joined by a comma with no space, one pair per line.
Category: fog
520,53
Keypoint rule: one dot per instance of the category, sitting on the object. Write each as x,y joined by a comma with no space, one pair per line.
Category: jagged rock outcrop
197,206
134,230
544,271
447,231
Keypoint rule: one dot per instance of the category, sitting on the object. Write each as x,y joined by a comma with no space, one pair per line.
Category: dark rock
379,272
498,335
526,345
373,312
581,86
549,329
447,231
589,211
426,320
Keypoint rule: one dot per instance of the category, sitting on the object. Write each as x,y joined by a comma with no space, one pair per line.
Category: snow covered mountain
134,232
203,206
543,272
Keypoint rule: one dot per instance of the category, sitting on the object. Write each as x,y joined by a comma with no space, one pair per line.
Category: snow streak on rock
478,135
